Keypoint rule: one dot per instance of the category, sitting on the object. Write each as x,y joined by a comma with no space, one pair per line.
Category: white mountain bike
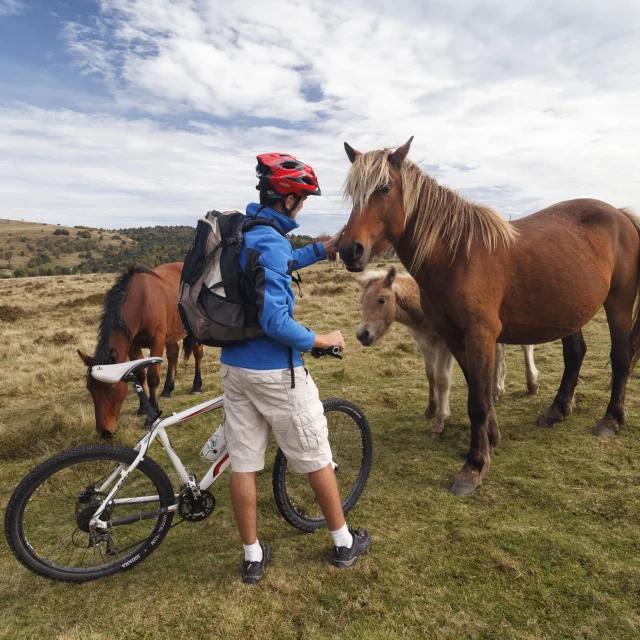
93,511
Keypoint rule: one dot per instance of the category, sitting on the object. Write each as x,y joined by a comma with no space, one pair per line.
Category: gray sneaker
252,572
345,557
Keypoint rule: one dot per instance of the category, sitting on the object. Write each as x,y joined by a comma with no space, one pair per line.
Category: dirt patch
11,314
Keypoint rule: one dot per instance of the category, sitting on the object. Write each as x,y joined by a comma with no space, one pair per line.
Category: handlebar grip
318,352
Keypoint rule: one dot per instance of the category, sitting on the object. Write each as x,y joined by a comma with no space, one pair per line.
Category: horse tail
188,345
635,327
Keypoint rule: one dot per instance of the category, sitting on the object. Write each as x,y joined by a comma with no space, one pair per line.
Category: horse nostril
363,336
358,250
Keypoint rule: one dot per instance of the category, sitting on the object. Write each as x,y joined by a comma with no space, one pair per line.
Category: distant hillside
32,249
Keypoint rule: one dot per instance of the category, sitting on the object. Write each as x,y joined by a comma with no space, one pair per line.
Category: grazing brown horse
140,312
483,281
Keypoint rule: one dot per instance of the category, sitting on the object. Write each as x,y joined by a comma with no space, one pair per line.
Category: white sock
342,537
252,552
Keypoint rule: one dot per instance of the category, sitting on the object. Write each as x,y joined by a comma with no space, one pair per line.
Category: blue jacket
268,255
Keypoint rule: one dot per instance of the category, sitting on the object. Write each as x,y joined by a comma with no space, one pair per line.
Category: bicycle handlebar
318,352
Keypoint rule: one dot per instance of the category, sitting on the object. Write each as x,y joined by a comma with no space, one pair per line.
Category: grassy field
548,547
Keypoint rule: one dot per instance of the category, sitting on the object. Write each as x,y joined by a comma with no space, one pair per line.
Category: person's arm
309,255
317,251
269,264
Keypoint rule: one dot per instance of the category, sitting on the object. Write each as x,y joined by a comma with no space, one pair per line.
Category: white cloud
11,7
518,104
64,166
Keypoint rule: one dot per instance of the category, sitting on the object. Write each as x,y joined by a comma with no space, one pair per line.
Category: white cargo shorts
256,402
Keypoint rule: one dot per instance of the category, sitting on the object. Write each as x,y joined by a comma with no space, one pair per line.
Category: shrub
61,232
11,314
60,338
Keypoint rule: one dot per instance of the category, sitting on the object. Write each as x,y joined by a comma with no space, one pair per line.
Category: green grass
548,547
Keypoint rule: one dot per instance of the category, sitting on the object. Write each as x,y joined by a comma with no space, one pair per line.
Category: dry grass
547,548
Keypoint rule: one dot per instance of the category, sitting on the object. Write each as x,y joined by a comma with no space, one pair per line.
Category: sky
120,113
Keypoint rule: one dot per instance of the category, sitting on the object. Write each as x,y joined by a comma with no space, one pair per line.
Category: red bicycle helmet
281,174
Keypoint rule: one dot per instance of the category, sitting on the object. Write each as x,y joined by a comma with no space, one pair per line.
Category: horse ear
352,154
85,358
397,157
391,276
113,356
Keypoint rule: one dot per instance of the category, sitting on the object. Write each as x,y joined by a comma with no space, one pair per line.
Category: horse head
378,302
374,186
107,398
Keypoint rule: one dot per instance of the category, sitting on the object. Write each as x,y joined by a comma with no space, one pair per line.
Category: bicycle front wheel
47,519
352,450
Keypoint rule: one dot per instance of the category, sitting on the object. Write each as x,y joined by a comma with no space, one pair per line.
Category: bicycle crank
195,508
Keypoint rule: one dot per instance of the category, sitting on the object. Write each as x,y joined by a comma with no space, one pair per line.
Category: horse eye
381,300
385,189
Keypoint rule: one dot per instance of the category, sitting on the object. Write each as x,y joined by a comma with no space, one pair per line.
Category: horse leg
620,320
198,353
574,349
173,351
480,351
153,377
499,372
135,353
429,366
444,375
530,369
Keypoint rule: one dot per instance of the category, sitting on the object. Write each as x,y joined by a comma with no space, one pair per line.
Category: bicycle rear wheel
47,519
352,448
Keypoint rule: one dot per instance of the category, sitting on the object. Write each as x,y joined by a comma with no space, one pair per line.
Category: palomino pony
483,281
140,312
389,297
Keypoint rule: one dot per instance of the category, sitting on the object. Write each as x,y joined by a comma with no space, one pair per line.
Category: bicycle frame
158,430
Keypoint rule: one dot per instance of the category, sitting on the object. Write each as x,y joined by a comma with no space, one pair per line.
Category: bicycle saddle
112,373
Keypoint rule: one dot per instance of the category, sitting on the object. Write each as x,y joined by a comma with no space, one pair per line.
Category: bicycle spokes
58,514
346,448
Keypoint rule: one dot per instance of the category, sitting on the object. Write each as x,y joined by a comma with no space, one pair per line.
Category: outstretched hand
331,245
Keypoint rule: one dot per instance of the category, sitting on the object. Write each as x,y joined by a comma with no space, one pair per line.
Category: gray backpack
217,302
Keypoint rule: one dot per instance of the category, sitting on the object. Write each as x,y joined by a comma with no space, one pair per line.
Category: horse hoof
606,428
545,423
437,428
550,417
533,388
462,488
165,394
195,392
141,412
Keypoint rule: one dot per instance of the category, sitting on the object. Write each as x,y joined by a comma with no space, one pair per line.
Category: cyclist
266,386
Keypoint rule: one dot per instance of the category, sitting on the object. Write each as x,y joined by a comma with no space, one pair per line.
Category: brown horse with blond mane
140,311
483,281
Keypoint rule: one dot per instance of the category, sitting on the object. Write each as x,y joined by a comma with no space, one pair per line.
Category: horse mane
112,319
439,212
